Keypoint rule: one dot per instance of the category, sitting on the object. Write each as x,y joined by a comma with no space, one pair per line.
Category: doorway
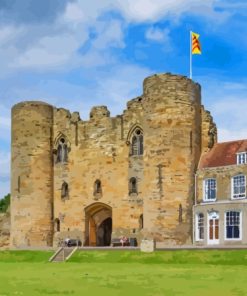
98,225
213,228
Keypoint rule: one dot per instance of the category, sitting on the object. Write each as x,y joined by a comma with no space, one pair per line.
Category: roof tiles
223,154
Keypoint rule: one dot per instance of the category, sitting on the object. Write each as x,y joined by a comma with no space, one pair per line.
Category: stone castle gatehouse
131,175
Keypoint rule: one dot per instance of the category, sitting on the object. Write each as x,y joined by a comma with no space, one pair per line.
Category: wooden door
213,228
92,232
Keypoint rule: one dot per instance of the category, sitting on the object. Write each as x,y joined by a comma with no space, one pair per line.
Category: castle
150,172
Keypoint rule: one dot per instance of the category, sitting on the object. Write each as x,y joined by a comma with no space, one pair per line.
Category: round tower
172,137
32,175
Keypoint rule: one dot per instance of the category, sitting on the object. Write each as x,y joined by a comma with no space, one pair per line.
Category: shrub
4,203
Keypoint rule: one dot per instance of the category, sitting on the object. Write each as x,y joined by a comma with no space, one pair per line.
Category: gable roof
223,154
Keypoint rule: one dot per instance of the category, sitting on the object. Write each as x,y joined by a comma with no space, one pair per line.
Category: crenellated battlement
172,88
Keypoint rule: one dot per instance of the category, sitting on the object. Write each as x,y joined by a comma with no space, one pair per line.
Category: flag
196,47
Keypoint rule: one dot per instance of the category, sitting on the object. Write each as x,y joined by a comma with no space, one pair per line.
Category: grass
193,272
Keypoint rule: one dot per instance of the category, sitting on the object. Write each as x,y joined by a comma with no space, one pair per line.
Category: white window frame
242,158
240,226
204,189
198,239
232,187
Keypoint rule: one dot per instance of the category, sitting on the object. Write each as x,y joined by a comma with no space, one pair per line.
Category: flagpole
190,56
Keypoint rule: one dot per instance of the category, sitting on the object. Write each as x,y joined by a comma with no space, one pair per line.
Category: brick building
220,208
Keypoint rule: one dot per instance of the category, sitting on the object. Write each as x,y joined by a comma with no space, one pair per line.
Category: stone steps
62,254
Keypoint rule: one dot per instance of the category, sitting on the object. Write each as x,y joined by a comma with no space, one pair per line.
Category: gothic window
62,151
57,225
132,185
64,190
137,142
97,187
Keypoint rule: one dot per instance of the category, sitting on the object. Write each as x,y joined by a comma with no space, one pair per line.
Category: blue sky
78,54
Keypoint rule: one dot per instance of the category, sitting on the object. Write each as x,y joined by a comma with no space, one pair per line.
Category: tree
4,203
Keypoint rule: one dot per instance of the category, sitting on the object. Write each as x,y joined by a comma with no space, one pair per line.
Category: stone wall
32,175
4,230
173,145
209,131
99,150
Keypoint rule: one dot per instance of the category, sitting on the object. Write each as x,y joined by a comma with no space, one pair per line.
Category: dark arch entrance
103,233
98,225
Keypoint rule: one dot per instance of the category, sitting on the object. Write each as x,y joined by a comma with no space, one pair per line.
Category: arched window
57,225
65,190
137,142
97,187
62,151
132,185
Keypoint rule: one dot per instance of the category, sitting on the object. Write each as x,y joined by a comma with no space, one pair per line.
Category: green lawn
162,273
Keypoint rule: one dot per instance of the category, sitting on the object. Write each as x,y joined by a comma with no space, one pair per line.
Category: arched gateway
98,224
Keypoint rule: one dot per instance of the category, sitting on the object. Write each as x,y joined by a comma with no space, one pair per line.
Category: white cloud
225,135
236,4
123,83
226,100
4,164
140,11
73,13
158,35
109,34
9,33
50,51
4,122
154,10
45,47
5,125
228,112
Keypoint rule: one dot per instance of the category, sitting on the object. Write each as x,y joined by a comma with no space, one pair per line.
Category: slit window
65,190
57,225
97,187
132,185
